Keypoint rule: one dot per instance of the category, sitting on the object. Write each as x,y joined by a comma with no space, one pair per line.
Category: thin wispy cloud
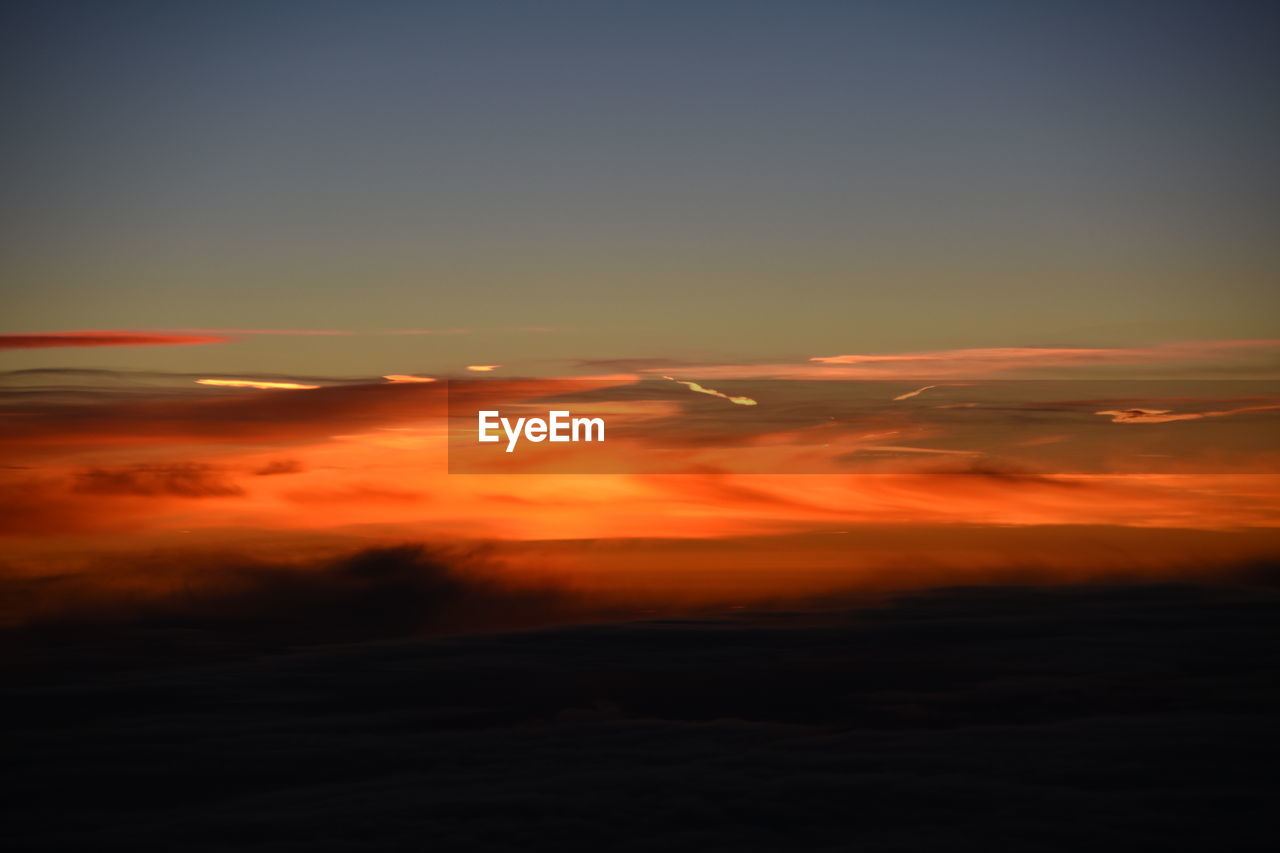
49,340
1161,416
406,378
262,331
917,392
994,354
253,383
694,386
981,362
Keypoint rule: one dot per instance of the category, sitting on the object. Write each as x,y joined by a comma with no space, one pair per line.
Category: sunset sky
241,237
935,500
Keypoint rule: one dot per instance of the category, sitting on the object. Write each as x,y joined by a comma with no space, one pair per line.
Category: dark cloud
280,466
188,480
43,506
220,598
1049,719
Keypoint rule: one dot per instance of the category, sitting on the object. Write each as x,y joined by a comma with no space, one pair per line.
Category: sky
717,180
304,199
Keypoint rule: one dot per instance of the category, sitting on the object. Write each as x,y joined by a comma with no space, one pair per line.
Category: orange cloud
990,361
407,377
1161,416
997,355
126,471
122,423
483,368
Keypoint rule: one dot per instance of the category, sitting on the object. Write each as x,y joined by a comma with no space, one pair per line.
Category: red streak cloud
45,340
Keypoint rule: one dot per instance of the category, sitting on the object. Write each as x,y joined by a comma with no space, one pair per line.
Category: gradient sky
248,248
312,196
708,180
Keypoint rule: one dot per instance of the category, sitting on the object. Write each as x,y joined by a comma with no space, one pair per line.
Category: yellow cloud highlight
915,393
483,368
694,386
407,377
250,383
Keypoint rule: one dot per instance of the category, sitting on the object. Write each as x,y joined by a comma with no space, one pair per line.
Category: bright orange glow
358,464
483,368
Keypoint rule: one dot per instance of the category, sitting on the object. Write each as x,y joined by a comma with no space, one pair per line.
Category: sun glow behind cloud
368,461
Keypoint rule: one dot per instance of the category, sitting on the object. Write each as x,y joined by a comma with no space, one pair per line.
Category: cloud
176,480
996,355
257,383
1161,416
280,466
262,331
694,386
915,393
483,368
54,426
950,720
89,385
979,362
375,455
407,377
380,592
45,340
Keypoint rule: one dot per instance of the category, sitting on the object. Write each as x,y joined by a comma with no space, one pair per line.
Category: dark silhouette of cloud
1049,719
189,480
219,598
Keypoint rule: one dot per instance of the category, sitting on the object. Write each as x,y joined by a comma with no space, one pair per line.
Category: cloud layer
1053,719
